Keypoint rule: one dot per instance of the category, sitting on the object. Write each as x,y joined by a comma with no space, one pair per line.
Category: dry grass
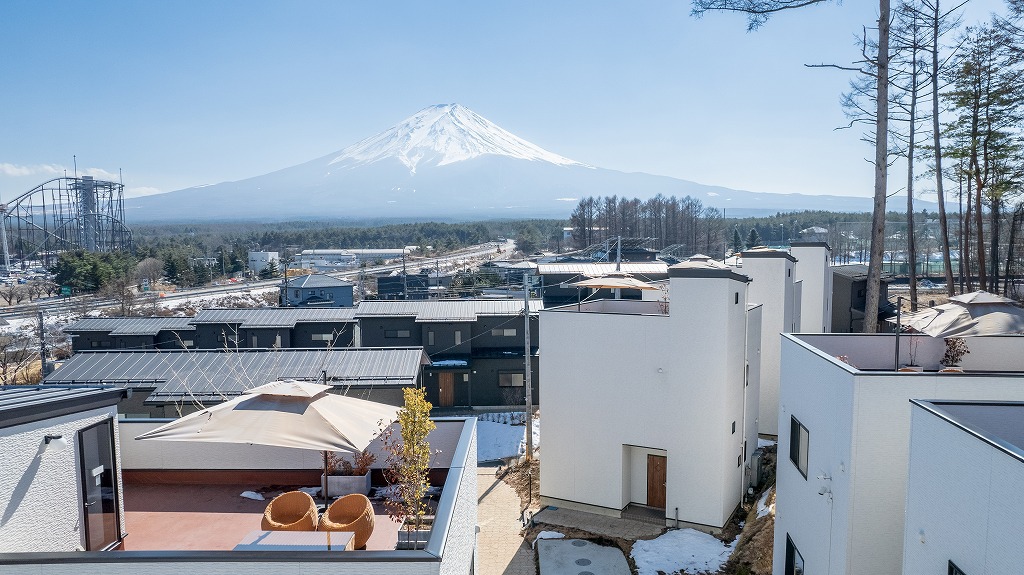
519,477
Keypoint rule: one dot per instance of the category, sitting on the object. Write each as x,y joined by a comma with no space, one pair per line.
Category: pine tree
737,241
753,239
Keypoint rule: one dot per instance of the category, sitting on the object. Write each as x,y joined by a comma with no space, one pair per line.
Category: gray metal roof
658,269
316,281
131,325
285,317
187,374
20,404
460,310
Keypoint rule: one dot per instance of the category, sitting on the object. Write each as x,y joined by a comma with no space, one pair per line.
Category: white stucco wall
460,545
963,501
866,453
40,492
772,286
814,271
672,383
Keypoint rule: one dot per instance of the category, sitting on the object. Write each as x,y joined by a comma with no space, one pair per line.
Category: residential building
476,346
60,489
258,261
403,286
317,290
773,284
963,487
172,383
651,406
814,273
844,440
173,507
849,298
325,260
220,329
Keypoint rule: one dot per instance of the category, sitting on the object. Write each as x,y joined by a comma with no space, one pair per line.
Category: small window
736,298
954,570
187,343
510,379
297,293
322,336
458,337
430,338
465,377
734,427
321,293
739,460
798,440
397,333
312,292
789,273
503,332
794,561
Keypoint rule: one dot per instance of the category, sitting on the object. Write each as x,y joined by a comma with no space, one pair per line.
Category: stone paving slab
598,524
500,549
578,557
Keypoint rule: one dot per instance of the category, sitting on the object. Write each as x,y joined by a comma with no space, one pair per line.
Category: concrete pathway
599,524
500,549
578,557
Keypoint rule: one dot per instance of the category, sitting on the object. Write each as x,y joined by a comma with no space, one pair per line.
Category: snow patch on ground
252,495
766,442
498,437
547,535
763,508
681,549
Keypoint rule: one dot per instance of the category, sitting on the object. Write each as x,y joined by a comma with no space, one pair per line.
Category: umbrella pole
325,481
899,328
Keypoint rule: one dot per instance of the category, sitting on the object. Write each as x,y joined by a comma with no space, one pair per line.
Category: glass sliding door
99,486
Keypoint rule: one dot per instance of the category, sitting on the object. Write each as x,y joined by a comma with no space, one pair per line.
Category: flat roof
177,375
445,310
310,281
131,325
998,423
20,404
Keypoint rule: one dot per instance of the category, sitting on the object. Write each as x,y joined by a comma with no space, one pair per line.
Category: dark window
736,298
954,570
507,332
510,379
789,273
397,333
794,561
798,440
430,338
734,427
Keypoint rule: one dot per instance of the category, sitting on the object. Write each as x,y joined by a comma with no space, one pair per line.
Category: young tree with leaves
408,459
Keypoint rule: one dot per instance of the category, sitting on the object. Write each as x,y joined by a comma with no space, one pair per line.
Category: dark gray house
849,289
317,290
220,329
173,383
476,346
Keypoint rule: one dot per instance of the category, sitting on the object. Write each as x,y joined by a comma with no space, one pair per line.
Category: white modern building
963,489
773,284
814,273
60,482
648,406
258,261
844,441
329,260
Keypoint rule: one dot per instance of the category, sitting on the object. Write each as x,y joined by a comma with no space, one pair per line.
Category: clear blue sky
183,93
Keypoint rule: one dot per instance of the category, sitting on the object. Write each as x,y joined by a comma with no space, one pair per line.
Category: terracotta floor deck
209,518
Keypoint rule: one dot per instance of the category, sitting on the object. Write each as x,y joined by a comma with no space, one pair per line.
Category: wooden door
446,388
656,465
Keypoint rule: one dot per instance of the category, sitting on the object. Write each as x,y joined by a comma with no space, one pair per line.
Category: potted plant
406,468
348,474
956,349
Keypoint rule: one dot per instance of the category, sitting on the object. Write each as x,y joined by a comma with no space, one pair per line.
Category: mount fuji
445,162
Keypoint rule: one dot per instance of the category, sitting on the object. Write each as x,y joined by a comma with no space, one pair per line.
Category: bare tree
16,361
758,12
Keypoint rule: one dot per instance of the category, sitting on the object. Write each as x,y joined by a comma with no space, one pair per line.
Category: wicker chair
291,511
353,513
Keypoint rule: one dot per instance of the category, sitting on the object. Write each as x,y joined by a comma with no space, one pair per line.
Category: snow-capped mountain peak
444,134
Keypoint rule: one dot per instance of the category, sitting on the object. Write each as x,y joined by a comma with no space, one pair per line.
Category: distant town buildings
317,290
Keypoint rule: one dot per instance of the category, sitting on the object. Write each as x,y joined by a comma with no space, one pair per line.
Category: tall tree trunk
947,264
995,211
968,268
881,171
912,132
1008,272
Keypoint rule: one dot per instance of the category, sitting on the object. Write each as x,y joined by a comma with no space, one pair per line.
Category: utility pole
527,376
405,279
42,346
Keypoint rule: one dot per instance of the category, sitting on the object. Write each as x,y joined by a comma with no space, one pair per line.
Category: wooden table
297,541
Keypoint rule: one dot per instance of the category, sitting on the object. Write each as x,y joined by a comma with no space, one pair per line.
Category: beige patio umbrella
966,315
614,280
289,413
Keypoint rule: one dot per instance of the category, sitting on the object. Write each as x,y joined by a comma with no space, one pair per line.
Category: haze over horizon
192,94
